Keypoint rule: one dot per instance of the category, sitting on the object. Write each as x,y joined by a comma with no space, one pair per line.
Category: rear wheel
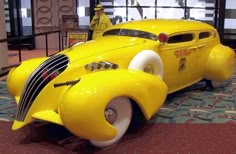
118,113
214,84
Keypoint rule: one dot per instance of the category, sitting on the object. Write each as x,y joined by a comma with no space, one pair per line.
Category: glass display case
26,16
230,20
7,17
83,12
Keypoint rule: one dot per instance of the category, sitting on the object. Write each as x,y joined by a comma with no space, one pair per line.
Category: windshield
131,33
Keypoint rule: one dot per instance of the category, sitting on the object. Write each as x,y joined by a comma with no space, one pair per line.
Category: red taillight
163,38
54,75
44,74
49,76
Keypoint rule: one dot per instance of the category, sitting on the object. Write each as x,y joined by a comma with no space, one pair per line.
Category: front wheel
118,113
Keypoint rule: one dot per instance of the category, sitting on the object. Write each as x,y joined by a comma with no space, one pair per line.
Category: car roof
167,26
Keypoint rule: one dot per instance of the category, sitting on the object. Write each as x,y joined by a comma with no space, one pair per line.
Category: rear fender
220,64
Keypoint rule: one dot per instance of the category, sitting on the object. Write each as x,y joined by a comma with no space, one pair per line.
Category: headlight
100,66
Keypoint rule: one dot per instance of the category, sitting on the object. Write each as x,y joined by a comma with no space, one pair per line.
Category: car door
206,41
180,59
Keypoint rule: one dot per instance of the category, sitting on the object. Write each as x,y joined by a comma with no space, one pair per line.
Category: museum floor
194,120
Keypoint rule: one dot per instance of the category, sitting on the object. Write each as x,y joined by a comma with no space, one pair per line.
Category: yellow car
94,88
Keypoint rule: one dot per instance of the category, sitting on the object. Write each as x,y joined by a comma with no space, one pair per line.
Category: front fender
17,77
82,106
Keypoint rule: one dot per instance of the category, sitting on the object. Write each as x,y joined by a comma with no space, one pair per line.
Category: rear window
180,38
203,35
131,33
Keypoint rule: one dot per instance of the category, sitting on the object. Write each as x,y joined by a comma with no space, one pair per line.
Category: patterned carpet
200,104
194,120
7,103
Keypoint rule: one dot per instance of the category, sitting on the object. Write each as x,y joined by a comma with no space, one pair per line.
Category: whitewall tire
216,84
148,61
118,113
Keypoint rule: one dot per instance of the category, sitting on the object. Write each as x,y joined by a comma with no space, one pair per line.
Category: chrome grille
40,77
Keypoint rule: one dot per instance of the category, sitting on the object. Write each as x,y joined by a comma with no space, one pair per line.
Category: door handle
202,45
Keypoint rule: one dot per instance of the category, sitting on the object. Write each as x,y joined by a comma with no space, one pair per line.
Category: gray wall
3,46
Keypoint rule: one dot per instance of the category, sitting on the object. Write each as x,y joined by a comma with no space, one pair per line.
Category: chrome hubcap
110,115
149,69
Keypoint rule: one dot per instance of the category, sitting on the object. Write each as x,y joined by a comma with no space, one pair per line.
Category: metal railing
4,71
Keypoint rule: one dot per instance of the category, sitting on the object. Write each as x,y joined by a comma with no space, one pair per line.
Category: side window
204,35
181,38
112,32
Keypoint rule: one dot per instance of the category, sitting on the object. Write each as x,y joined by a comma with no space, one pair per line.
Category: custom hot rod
93,87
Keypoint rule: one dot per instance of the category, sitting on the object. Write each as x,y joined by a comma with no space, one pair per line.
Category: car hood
99,46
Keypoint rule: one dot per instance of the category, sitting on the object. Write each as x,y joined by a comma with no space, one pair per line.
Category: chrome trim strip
38,80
